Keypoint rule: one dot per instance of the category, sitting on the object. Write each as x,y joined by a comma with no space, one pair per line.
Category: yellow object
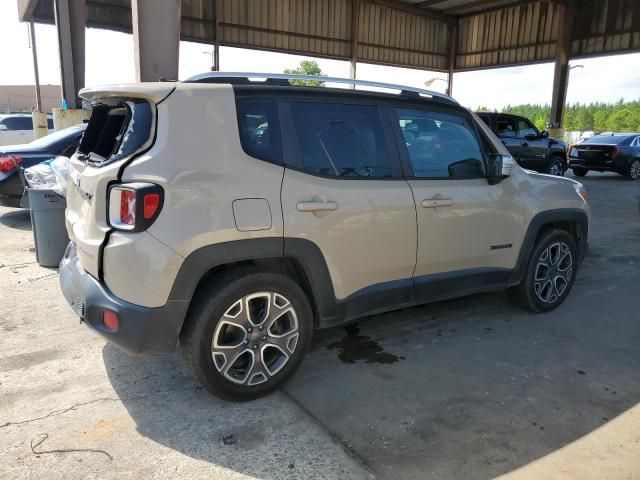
66,118
40,128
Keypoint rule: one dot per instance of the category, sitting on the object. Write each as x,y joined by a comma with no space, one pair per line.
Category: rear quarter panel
198,160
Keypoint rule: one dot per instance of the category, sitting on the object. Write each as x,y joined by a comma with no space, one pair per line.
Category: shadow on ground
18,219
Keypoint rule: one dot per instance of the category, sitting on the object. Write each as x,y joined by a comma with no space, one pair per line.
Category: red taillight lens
9,162
151,203
128,207
134,206
110,320
615,152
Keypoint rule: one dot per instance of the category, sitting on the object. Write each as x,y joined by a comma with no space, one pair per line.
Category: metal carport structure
441,35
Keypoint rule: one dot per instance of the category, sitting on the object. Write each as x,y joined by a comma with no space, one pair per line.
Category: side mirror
3,127
498,167
544,134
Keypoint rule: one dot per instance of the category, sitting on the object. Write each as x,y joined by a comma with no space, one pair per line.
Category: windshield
607,139
55,136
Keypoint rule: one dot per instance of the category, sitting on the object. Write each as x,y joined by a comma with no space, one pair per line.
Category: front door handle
437,202
314,206
525,144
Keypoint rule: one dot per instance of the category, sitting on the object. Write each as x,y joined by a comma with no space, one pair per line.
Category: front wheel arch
572,220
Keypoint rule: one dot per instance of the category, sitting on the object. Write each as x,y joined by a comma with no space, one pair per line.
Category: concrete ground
471,388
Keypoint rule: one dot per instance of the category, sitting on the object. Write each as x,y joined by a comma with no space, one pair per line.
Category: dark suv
530,147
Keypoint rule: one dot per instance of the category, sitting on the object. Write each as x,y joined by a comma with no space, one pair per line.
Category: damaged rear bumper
141,330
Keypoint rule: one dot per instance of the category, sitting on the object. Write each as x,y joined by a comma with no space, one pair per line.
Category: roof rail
282,79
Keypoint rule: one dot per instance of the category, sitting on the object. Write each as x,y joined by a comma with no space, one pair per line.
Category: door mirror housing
498,167
544,134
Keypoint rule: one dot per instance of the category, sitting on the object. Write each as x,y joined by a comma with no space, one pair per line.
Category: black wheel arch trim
543,219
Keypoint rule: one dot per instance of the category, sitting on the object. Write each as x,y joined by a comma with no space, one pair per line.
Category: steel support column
453,48
561,71
71,19
354,39
217,34
156,38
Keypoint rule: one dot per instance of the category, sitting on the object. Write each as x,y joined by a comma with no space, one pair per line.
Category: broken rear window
116,130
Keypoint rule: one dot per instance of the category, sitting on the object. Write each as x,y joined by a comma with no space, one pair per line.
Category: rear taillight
134,206
572,151
9,163
615,152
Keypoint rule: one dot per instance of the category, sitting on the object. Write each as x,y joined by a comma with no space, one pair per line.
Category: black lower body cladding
142,330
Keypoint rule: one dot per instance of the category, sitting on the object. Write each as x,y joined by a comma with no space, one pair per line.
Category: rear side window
440,145
341,140
260,129
18,123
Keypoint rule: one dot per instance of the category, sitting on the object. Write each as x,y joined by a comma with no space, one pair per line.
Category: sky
109,59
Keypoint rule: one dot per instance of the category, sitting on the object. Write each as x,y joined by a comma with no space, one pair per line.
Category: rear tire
550,274
580,172
556,166
634,170
246,333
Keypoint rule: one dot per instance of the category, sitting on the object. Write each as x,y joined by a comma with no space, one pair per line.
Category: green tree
583,119
307,67
600,121
621,121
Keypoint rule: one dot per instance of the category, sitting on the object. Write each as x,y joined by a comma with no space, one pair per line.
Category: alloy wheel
556,168
553,272
634,170
255,338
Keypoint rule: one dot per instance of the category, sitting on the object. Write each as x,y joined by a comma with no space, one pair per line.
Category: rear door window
506,127
341,140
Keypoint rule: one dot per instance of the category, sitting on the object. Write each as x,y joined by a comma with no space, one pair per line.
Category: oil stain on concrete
354,347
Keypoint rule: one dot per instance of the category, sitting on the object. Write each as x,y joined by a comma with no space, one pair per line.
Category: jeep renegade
234,216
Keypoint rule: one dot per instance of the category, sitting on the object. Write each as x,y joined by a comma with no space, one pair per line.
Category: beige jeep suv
234,216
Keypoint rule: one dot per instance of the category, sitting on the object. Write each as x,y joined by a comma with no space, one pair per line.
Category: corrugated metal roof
408,33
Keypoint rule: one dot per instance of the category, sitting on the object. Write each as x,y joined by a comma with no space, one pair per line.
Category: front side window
341,140
525,128
506,127
260,129
440,145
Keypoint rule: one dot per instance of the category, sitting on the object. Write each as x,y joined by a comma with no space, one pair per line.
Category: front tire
247,333
634,170
550,273
580,172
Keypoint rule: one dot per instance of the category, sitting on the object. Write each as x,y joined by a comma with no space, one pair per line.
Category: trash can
47,221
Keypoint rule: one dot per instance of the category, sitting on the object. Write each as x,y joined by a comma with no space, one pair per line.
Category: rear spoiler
154,92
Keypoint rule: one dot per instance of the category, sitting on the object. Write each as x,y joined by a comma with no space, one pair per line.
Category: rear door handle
437,202
316,206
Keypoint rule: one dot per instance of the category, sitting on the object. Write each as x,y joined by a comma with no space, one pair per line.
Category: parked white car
17,128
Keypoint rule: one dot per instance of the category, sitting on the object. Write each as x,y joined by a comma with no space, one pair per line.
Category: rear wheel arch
302,262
